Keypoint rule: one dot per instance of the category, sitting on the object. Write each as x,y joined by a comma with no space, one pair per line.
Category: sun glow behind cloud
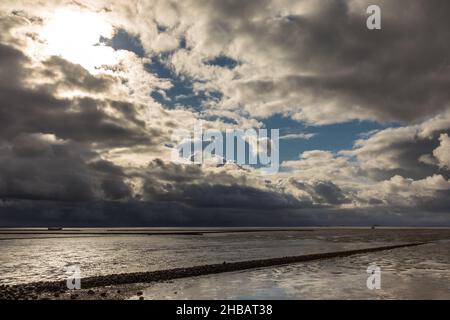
75,35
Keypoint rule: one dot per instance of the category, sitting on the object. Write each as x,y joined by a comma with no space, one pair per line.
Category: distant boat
54,229
373,227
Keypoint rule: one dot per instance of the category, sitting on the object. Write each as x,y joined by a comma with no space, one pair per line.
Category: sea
421,272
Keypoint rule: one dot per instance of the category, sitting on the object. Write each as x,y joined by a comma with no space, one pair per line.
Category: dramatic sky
92,90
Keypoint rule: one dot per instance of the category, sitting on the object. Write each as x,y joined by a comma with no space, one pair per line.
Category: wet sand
114,286
409,273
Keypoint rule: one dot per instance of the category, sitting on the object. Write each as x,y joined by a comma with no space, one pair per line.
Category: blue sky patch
223,62
182,93
332,138
122,40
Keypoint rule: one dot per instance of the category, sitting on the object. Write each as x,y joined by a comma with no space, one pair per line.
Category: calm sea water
37,257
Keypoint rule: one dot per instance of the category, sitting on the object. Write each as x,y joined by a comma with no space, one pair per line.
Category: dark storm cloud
238,197
139,213
128,111
203,195
38,110
29,111
400,151
199,188
46,141
74,76
11,70
107,167
35,167
399,73
406,159
115,189
439,203
322,192
330,193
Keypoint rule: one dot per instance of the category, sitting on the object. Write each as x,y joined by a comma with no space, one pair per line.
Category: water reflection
405,275
27,260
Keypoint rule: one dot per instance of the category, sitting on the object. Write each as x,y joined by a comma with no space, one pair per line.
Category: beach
226,264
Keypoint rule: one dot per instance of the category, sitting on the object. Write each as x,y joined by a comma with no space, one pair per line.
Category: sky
92,91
